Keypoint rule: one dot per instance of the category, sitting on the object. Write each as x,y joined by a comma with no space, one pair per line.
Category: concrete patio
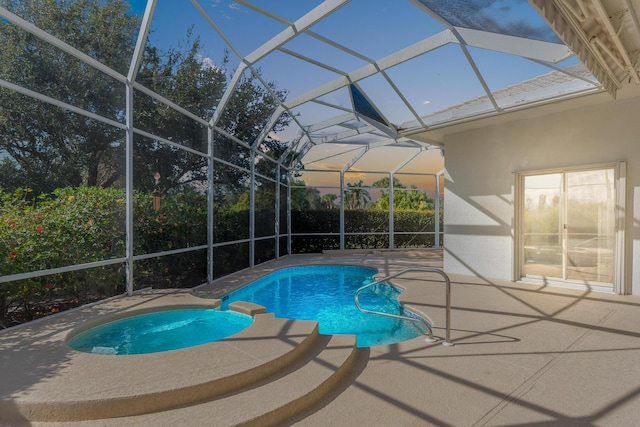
523,355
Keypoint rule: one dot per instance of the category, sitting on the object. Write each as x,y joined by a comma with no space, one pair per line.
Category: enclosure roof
370,73
377,73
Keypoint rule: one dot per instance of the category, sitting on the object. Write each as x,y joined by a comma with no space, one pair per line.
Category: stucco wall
479,205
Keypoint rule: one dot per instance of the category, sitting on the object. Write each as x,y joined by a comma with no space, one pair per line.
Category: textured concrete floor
523,355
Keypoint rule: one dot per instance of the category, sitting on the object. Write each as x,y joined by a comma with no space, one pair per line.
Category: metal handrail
421,320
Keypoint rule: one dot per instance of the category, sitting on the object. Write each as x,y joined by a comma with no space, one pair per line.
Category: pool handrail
447,340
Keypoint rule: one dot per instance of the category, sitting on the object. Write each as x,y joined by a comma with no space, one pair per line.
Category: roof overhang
604,34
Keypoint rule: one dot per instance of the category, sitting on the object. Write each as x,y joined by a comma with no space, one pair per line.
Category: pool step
271,402
262,375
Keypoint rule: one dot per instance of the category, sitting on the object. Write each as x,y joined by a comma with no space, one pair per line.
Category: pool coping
75,390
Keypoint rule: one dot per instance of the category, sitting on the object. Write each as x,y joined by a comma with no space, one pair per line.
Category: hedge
86,224
361,221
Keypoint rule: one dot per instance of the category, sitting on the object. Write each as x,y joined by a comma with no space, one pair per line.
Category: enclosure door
568,225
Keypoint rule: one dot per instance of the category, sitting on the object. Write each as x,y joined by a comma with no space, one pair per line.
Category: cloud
327,166
425,102
228,5
207,63
355,175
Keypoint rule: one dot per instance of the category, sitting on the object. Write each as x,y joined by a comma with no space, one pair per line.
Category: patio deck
523,355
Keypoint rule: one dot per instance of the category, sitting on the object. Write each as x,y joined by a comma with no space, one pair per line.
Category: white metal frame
541,52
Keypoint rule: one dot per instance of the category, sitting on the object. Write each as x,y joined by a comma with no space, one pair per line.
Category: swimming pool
160,331
325,294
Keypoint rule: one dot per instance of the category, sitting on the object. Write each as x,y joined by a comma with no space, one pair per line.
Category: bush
68,227
181,222
87,224
361,221
65,228
81,225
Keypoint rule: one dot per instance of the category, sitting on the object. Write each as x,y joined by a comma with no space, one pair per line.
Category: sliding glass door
568,225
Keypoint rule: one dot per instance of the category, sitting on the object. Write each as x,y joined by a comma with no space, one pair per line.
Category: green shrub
181,222
68,227
87,224
360,221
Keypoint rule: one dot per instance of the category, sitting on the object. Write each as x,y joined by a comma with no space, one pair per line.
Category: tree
182,78
49,147
356,197
303,197
383,184
186,79
412,199
328,200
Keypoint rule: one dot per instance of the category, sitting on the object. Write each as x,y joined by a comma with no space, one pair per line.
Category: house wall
479,194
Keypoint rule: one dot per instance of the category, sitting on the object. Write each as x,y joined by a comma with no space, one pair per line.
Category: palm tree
356,197
328,200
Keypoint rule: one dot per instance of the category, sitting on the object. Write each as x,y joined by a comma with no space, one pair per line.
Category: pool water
160,331
325,294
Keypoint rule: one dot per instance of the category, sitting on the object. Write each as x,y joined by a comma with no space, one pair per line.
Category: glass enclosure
139,148
126,176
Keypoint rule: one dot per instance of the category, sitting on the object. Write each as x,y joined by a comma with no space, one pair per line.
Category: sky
374,29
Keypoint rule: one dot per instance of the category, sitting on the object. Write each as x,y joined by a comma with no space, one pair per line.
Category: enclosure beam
129,191
277,211
252,209
392,208
342,192
131,76
342,210
289,214
210,195
436,228
391,212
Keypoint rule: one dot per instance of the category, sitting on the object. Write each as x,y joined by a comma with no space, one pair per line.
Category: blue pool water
160,331
325,294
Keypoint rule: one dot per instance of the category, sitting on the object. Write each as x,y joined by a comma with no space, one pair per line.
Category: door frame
619,256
